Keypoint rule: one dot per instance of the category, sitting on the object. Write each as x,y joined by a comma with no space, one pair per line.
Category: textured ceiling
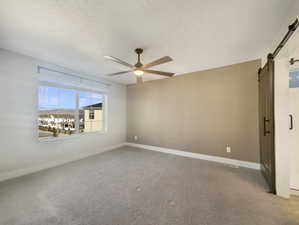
197,34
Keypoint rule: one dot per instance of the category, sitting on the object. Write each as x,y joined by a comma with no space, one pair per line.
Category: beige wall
199,112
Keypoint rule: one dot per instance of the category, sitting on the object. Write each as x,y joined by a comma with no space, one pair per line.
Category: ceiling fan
139,69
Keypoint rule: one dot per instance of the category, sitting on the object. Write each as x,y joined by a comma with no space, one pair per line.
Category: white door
294,111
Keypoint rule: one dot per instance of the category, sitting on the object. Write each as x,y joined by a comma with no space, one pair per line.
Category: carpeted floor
130,186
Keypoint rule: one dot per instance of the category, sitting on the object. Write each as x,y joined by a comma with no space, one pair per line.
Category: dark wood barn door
266,122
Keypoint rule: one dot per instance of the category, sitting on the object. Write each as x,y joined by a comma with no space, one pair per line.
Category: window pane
90,112
57,107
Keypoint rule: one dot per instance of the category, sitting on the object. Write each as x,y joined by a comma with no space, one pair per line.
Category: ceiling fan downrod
138,52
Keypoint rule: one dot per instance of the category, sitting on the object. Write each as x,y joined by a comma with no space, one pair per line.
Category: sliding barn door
266,123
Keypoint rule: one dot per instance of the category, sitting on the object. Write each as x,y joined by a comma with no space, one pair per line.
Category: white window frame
77,90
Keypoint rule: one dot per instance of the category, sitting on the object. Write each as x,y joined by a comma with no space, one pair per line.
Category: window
91,114
64,112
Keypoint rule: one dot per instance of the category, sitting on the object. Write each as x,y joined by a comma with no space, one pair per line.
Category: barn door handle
265,127
291,122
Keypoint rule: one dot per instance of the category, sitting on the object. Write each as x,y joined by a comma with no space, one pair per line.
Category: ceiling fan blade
119,73
114,59
159,73
139,79
162,60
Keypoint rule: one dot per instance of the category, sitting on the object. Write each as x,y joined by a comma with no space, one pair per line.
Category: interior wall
200,112
21,151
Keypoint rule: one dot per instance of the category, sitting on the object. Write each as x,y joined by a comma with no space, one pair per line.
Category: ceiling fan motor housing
139,52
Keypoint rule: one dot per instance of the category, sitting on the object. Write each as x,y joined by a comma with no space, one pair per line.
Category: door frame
282,120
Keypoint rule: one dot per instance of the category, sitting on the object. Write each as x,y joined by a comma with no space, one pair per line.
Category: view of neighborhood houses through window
61,115
90,112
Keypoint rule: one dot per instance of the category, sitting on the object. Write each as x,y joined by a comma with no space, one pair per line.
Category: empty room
147,112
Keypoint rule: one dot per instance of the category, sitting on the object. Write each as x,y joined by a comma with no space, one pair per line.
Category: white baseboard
234,162
22,172
294,192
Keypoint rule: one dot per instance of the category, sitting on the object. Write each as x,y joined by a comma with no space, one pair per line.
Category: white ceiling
197,34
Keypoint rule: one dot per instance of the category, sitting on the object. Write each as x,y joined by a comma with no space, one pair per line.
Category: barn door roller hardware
292,29
293,61
271,56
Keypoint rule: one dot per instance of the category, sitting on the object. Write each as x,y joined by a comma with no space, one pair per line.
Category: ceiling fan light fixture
138,72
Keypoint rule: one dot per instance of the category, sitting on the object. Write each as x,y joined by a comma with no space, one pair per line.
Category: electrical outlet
228,149
135,138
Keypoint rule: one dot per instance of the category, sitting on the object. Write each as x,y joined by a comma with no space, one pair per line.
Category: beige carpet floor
130,186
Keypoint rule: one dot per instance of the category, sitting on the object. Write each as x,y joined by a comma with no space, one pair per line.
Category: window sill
73,136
